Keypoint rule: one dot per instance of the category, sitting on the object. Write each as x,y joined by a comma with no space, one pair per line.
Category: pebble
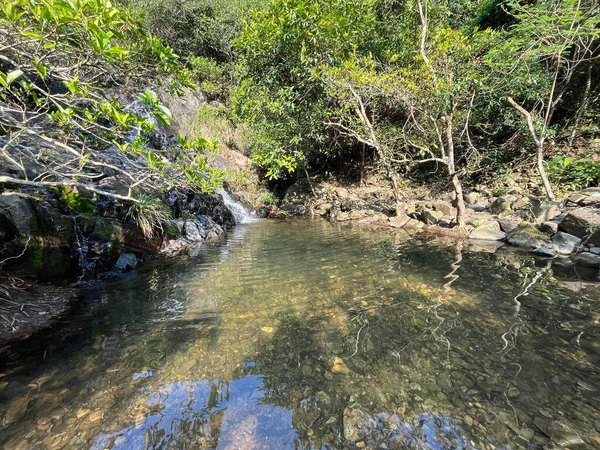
339,366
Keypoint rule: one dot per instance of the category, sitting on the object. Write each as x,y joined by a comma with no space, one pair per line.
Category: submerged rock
339,366
126,261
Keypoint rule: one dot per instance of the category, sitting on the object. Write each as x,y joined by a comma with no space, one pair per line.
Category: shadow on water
307,335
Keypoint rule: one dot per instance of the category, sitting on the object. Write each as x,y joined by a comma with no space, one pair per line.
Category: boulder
526,235
508,224
501,206
583,223
549,227
431,217
565,243
543,211
472,197
587,259
489,231
520,203
586,197
445,208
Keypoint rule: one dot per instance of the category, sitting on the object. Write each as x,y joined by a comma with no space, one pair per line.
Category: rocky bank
567,231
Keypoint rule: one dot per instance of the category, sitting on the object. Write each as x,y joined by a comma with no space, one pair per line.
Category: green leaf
41,69
12,76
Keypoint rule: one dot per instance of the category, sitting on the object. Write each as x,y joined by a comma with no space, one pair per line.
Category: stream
303,334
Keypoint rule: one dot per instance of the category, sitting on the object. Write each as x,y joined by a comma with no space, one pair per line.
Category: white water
239,211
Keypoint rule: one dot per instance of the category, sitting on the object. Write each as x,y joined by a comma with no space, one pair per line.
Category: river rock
565,243
508,224
472,197
339,366
126,261
549,227
431,217
489,231
586,259
544,250
445,208
583,223
501,206
357,424
399,221
526,235
586,197
543,211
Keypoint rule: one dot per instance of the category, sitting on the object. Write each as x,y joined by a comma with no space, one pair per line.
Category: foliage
279,93
150,214
65,69
570,173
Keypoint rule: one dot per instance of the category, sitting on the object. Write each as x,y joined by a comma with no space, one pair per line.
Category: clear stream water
303,334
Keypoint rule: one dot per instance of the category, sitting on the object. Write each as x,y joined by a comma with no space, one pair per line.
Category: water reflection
307,335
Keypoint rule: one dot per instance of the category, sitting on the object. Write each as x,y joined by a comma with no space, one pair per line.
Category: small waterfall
239,211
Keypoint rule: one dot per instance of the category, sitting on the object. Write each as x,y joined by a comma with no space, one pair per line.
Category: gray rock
565,243
16,210
583,223
526,235
508,224
445,208
586,259
549,227
586,197
544,211
489,232
431,217
595,250
519,203
501,206
126,261
544,250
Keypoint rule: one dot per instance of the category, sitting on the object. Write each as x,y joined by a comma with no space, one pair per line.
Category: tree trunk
542,170
396,188
460,201
583,105
539,144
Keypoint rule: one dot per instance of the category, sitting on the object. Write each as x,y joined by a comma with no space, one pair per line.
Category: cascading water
239,211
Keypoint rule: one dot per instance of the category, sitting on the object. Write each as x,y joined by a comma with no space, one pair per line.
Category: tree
415,112
279,93
62,64
547,45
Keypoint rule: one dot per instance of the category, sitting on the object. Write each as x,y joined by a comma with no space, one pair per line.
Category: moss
38,258
75,200
171,230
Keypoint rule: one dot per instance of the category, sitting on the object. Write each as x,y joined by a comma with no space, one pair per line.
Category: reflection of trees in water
419,328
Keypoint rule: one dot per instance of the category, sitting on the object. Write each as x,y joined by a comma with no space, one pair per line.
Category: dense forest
409,93
468,90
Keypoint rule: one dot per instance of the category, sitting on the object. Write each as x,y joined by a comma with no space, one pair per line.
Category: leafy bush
572,174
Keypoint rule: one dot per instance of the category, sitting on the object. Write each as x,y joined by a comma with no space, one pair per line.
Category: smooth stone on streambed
126,261
339,366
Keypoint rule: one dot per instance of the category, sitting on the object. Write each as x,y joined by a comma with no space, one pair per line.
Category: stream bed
306,335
